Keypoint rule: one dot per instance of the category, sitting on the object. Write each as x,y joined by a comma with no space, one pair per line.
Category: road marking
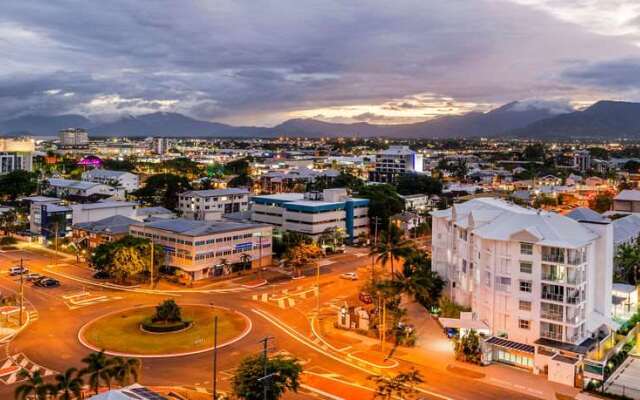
20,362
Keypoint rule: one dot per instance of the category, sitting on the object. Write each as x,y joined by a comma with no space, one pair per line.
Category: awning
463,324
508,344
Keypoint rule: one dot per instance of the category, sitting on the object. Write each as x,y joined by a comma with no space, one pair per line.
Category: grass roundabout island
138,331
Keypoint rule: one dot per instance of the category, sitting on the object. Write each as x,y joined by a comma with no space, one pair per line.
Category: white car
352,276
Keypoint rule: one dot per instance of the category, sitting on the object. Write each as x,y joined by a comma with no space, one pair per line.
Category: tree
18,183
601,202
163,189
126,262
418,280
461,169
245,259
400,386
68,385
284,375
167,311
8,221
98,369
126,257
631,166
34,386
125,370
383,202
534,152
627,262
242,180
237,167
127,164
392,248
408,184
300,255
467,347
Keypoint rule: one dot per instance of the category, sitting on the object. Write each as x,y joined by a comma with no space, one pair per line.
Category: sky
259,62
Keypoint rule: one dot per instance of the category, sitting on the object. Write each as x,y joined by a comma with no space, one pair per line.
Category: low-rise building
88,235
124,180
81,190
417,202
206,249
211,205
314,213
627,201
89,212
48,218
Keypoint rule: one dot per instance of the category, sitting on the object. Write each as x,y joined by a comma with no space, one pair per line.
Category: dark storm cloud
618,74
237,59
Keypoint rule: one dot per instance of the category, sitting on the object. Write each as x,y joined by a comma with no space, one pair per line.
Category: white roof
104,204
106,173
496,219
627,194
72,184
463,324
623,288
216,192
626,229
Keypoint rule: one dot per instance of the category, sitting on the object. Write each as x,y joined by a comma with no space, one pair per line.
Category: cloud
621,74
258,61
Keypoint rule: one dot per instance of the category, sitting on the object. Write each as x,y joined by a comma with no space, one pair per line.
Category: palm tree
418,280
400,386
245,259
392,249
125,370
33,387
98,368
69,384
627,260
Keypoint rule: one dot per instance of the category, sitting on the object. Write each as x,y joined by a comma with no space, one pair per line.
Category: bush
8,241
163,327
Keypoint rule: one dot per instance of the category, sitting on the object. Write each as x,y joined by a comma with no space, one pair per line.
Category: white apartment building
582,160
122,180
16,154
395,161
211,205
539,282
313,213
73,137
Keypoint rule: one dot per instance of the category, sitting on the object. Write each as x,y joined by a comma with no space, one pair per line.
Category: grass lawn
120,332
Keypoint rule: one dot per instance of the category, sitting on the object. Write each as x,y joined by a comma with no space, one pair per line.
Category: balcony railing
551,335
553,297
554,316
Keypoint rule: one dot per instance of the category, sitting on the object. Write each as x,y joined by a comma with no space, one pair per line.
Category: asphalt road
51,340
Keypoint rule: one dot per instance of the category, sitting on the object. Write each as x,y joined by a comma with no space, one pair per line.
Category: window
487,280
526,248
526,267
525,286
553,254
524,305
503,283
523,323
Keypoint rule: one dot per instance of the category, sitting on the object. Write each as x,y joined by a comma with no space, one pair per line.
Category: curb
170,355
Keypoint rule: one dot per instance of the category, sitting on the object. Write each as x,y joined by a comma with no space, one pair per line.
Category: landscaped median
127,333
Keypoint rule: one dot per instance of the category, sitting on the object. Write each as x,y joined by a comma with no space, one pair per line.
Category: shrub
8,241
163,327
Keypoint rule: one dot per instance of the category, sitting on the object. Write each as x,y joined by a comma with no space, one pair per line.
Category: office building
73,138
205,249
160,145
16,154
48,217
211,205
313,213
540,283
582,160
395,161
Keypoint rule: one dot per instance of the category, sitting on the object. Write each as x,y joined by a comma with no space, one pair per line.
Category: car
451,332
47,282
352,276
101,275
33,276
17,270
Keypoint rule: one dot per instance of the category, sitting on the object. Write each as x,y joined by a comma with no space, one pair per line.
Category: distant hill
173,124
604,119
522,119
43,125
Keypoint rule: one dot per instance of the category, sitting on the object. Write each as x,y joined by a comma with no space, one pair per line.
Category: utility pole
152,266
215,357
265,359
375,245
317,288
384,325
21,291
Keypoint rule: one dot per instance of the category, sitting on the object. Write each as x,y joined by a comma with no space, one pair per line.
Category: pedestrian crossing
11,366
286,299
85,299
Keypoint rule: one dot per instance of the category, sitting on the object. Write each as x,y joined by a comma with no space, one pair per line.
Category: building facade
48,218
627,201
395,161
16,154
314,213
582,160
204,249
211,205
64,188
73,138
540,282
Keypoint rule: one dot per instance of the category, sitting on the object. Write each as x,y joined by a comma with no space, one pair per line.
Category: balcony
552,296
553,316
553,335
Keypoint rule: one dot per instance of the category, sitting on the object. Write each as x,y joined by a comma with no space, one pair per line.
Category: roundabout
121,333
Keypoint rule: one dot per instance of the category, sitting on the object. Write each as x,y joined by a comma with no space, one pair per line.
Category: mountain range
606,119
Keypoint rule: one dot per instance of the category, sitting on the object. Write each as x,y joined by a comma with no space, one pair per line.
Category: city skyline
262,63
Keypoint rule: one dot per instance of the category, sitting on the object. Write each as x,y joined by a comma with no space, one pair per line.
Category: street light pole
152,266
21,291
215,357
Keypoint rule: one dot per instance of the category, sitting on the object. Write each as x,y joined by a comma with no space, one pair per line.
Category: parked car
451,332
352,276
101,275
47,282
33,276
17,270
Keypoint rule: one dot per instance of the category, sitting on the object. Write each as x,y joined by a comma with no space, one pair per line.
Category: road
51,340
